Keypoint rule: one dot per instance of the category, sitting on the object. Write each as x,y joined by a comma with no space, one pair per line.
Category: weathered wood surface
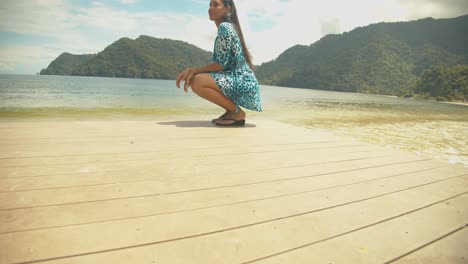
189,192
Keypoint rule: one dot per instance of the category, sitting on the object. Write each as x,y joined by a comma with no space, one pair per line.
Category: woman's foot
221,117
232,118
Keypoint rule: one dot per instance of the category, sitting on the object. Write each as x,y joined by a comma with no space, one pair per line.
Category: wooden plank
146,170
107,210
188,181
449,248
67,130
181,166
387,239
236,233
83,155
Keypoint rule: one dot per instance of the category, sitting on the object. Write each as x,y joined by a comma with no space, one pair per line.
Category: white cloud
89,30
80,30
434,8
303,21
7,67
23,59
129,1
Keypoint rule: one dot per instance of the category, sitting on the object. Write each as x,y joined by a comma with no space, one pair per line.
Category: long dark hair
234,19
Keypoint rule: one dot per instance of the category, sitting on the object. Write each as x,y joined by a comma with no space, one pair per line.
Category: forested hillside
442,84
381,58
65,64
145,57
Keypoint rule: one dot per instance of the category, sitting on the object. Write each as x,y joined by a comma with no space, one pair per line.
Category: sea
427,128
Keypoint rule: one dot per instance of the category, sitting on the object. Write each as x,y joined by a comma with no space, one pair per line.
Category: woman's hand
186,76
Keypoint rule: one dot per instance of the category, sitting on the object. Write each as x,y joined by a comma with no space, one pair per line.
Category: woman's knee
203,81
196,83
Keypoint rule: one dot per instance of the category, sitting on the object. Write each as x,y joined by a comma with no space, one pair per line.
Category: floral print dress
237,81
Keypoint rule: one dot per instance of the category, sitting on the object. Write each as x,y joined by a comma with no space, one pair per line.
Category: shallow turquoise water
428,128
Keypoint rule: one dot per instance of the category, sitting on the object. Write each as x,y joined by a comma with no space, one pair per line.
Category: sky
35,32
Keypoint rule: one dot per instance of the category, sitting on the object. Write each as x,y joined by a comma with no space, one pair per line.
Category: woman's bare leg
206,87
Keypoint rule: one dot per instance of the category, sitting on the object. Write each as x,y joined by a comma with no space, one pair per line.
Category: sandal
220,117
234,123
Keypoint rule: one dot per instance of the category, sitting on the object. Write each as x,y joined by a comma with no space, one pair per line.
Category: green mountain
380,58
443,83
65,64
144,57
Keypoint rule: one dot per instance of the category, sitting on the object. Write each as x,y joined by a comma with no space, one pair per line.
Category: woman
229,80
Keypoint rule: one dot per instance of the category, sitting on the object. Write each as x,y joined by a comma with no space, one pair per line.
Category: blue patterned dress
237,81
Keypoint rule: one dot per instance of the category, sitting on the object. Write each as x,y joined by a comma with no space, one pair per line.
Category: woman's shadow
199,123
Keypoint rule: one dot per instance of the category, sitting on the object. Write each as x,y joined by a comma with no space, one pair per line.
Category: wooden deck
189,192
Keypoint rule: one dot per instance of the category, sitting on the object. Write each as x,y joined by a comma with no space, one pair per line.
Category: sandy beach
185,191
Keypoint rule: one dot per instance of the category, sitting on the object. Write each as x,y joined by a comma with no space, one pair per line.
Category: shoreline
456,103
